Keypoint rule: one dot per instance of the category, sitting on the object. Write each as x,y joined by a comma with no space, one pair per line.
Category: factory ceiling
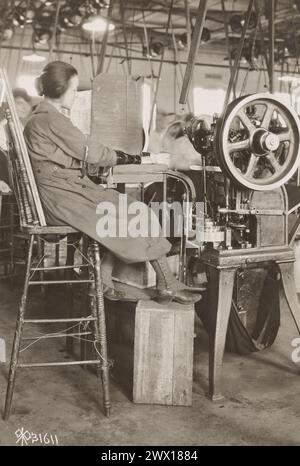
147,27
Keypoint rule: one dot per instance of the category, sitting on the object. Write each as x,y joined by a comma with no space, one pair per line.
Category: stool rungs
61,267
56,336
51,364
89,326
40,321
57,282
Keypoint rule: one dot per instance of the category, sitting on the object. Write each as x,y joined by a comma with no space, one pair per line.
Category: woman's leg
107,267
171,289
168,287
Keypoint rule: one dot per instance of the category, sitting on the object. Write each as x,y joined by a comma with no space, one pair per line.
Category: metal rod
160,66
178,62
235,69
257,6
147,47
193,50
188,23
92,54
271,6
19,61
228,44
53,42
125,36
105,37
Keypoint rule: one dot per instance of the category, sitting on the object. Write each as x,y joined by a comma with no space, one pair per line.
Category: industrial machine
256,145
244,234
240,237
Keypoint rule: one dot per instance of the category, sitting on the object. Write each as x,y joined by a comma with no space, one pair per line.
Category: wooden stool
97,318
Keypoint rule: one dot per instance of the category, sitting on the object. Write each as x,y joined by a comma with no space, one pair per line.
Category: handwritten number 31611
24,437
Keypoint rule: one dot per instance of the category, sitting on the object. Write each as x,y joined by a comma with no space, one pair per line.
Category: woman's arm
73,142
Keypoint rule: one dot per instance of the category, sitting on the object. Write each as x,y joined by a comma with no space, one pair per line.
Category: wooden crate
151,347
163,354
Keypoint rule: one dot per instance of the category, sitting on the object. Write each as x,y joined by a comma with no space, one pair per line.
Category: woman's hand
127,159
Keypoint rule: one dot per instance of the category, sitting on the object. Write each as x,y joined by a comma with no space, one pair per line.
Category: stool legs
17,337
70,301
69,274
41,258
98,318
86,302
100,328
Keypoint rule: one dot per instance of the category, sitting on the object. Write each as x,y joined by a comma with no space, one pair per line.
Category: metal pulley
257,142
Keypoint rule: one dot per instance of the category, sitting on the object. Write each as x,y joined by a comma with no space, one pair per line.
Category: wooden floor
261,407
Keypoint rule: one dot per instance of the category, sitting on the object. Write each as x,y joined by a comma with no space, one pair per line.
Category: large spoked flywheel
257,142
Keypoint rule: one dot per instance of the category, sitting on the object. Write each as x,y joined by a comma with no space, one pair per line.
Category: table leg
221,287
290,292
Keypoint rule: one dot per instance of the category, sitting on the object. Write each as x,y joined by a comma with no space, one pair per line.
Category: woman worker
57,150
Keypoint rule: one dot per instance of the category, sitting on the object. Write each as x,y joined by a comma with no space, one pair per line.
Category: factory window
27,81
208,101
284,97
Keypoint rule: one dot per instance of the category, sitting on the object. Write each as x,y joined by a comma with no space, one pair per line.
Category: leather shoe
178,296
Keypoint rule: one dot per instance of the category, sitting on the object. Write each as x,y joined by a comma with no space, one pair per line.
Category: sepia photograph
149,227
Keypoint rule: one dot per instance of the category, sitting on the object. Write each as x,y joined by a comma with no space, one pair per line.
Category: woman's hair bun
54,79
